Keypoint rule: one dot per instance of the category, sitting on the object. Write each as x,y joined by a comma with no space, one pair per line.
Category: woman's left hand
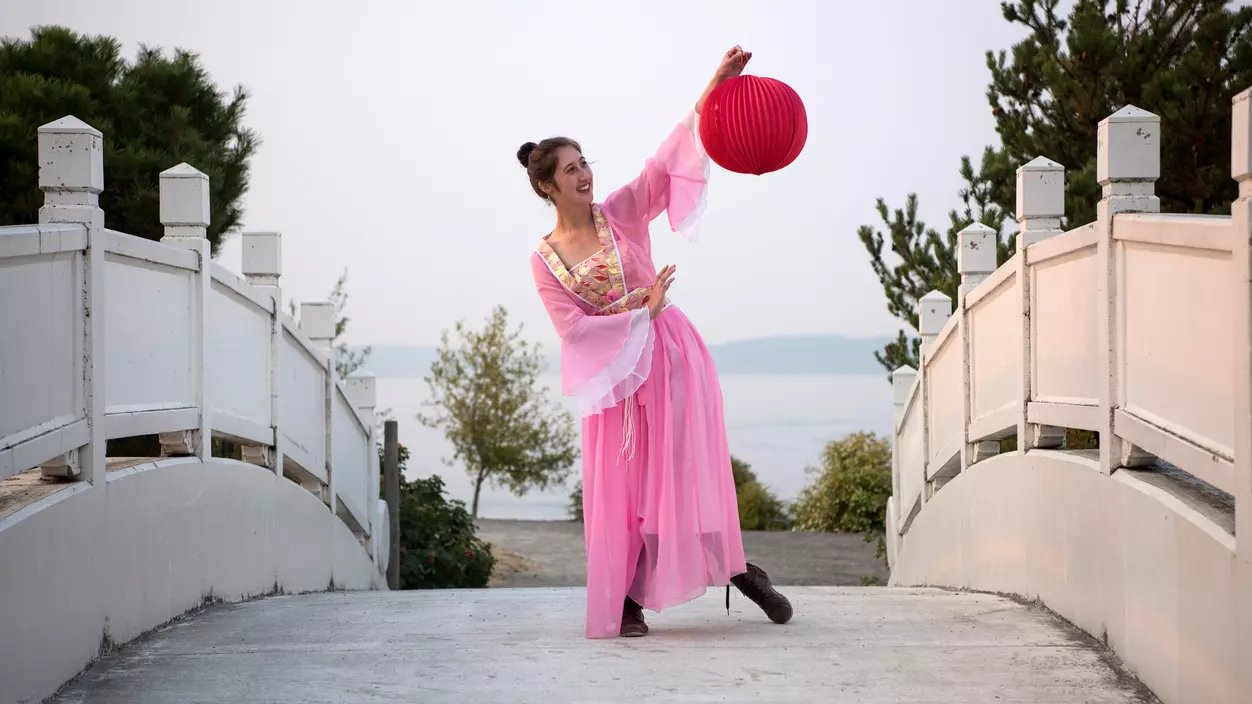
733,63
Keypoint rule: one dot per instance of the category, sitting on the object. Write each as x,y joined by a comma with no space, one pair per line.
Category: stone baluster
933,312
976,259
361,389
1040,201
1040,209
902,380
71,176
262,268
317,322
1241,219
185,215
1127,165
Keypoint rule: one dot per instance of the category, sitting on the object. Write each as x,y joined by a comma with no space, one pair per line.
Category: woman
661,521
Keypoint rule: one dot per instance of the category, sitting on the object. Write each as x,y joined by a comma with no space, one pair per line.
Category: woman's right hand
657,298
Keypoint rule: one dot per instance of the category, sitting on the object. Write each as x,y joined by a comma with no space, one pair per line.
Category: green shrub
439,545
1075,439
576,503
759,508
852,487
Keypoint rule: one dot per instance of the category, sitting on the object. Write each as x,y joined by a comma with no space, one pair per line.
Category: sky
389,132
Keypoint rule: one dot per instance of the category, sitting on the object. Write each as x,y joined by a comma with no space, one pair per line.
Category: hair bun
523,154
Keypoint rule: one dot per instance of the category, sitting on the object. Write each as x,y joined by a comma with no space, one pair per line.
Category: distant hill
809,354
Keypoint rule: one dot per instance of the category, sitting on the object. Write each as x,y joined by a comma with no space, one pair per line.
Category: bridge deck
526,645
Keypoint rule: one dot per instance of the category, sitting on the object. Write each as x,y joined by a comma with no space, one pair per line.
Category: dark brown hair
540,160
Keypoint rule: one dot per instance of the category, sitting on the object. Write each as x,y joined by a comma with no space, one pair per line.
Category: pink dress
661,521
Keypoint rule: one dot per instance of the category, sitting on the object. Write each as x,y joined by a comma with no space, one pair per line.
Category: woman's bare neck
573,224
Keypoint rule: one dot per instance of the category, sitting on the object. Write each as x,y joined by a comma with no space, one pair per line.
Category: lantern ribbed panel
753,125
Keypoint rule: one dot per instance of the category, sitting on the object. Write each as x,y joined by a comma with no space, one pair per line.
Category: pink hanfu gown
661,521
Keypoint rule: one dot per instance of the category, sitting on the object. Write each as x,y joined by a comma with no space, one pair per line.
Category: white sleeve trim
625,374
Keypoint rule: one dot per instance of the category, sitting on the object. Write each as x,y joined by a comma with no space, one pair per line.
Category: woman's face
572,179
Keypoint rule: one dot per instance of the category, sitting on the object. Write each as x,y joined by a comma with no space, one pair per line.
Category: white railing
1136,327
108,336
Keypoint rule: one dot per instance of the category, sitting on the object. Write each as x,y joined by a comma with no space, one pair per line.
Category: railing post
71,176
1127,166
262,268
901,384
362,391
391,471
185,215
1241,217
933,311
1040,201
317,322
1040,209
976,259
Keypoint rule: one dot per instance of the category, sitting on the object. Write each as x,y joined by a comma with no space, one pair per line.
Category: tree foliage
851,490
1183,60
759,508
154,112
347,360
503,429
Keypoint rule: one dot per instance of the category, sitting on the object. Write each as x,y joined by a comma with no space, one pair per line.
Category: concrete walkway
526,645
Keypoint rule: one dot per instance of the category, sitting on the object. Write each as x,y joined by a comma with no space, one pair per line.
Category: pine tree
154,112
1183,60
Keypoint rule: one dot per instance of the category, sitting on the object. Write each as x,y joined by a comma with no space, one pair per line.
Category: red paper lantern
753,125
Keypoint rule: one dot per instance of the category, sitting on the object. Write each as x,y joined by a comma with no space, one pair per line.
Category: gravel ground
550,554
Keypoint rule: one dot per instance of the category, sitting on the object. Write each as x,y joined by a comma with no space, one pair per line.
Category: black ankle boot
755,585
633,624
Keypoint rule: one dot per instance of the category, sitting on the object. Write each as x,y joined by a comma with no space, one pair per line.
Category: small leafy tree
576,503
851,490
346,359
439,545
485,397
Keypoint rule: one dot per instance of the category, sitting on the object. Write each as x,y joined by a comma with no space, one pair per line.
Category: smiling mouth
584,189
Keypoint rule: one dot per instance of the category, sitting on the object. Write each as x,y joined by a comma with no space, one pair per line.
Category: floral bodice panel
603,281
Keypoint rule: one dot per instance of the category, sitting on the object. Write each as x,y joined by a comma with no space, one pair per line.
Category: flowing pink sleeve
674,180
604,358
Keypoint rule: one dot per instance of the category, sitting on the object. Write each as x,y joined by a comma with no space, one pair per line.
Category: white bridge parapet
1137,327
106,335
